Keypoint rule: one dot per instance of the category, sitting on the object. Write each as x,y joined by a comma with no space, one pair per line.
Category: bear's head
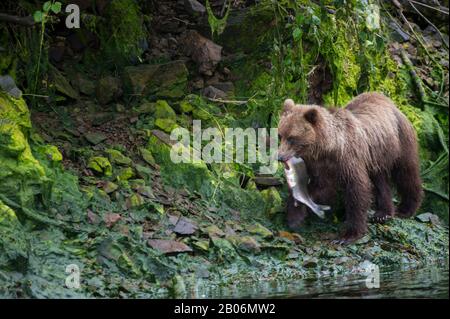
298,130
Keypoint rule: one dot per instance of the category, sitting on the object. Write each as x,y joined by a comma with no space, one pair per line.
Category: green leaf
37,16
46,6
56,7
315,20
297,33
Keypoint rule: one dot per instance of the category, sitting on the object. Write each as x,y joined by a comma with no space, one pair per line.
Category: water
430,282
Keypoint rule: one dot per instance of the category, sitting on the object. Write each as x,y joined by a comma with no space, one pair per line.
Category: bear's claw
381,217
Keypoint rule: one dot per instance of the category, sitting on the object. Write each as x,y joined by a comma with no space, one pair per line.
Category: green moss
147,156
193,176
186,107
135,200
100,165
273,201
50,152
116,157
343,65
15,110
6,213
21,173
167,125
125,174
164,111
121,32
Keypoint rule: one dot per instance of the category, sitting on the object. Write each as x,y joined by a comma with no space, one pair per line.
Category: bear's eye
291,141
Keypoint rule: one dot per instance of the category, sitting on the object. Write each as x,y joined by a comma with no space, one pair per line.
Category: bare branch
25,21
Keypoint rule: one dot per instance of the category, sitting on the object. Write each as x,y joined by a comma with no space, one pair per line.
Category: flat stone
185,226
95,138
214,93
267,181
61,84
428,218
111,218
169,246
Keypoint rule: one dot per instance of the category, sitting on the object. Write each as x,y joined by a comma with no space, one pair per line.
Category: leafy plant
43,17
217,25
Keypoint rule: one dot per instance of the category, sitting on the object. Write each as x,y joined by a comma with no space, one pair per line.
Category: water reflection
430,282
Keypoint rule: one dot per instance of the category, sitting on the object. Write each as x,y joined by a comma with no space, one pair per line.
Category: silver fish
297,179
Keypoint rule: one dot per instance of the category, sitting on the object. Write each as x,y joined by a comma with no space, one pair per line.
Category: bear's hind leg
406,177
383,198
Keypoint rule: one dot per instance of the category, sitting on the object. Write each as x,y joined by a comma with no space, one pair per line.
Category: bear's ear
312,116
288,106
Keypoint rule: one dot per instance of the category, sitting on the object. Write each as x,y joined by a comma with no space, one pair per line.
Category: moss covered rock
125,174
116,157
100,165
164,111
167,125
22,175
194,176
273,201
163,80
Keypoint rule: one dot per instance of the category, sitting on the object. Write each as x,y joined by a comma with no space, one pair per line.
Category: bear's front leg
357,199
322,191
296,214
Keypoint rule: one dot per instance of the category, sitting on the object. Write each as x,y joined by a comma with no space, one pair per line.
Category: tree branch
25,21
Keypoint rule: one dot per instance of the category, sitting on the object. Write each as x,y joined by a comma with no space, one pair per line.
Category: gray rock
84,85
198,83
194,7
214,93
108,89
163,80
61,84
398,34
205,53
95,138
8,85
227,87
428,218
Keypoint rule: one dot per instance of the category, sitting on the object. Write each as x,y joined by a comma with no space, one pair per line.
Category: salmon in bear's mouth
297,179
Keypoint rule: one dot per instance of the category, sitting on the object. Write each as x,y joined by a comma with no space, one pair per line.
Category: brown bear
356,149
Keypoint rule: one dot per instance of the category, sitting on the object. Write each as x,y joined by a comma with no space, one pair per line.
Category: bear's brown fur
358,149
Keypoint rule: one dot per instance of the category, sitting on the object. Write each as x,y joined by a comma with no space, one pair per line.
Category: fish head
291,176
297,130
